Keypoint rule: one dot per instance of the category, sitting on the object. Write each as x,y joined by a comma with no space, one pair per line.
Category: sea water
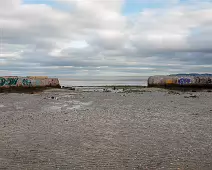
69,83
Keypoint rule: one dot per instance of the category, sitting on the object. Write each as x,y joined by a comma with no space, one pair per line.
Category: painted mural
181,80
6,82
184,81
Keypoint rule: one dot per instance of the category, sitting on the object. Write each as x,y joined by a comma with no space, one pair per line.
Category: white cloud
97,37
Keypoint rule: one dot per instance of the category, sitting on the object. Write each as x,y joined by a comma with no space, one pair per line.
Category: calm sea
63,82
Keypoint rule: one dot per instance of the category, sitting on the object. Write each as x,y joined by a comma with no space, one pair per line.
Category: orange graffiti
169,82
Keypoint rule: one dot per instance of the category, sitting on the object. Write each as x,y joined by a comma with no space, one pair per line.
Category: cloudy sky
105,38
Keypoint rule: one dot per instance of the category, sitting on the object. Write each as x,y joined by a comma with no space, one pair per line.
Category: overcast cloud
98,38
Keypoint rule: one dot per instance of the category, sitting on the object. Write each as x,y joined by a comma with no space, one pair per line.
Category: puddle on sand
19,108
51,108
86,104
68,105
55,107
78,105
1,105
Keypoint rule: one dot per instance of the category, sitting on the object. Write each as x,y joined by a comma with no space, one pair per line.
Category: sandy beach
148,130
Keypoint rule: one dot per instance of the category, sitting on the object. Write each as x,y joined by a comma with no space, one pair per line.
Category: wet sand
63,129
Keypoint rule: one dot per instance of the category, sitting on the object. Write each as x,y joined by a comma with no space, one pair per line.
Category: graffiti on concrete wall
180,81
26,82
169,81
184,81
8,81
203,80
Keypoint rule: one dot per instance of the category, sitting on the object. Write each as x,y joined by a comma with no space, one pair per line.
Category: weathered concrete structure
181,80
14,82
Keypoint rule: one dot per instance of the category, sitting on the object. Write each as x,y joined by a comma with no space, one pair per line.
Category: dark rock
106,90
194,96
174,92
71,88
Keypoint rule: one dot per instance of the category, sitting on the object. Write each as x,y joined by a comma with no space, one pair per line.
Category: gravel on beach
63,129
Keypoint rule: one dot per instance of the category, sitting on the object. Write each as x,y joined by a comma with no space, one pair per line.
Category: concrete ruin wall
181,81
27,82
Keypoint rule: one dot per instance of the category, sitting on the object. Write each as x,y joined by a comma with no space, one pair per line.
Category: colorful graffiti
169,81
184,81
6,82
26,82
190,81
